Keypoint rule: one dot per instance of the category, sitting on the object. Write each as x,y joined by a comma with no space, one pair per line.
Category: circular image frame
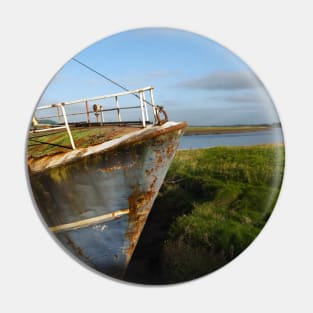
95,190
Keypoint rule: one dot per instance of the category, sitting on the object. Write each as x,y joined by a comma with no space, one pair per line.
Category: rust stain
77,250
118,167
143,159
148,172
139,209
152,185
171,149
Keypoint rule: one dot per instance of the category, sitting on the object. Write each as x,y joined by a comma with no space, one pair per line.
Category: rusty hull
97,202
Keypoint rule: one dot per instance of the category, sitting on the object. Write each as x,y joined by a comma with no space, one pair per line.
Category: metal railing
98,110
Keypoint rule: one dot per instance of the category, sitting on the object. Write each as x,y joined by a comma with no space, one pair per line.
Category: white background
274,38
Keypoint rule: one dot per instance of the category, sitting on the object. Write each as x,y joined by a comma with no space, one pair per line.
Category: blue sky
195,79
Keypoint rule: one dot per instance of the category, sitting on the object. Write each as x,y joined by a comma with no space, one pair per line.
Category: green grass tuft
223,197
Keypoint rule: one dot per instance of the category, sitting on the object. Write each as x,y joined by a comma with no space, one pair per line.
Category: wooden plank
89,221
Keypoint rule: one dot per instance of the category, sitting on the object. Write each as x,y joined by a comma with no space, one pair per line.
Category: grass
221,199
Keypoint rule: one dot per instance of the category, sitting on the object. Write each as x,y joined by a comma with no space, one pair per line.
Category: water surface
233,139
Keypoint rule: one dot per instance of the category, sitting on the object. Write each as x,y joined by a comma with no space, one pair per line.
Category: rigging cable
159,109
107,78
103,76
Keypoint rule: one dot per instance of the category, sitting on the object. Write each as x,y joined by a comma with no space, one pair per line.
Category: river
232,139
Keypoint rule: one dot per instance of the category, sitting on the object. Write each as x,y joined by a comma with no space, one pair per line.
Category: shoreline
213,130
276,144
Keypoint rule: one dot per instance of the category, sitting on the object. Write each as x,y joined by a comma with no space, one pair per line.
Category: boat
94,180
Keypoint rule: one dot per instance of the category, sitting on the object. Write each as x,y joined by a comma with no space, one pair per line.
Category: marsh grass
221,199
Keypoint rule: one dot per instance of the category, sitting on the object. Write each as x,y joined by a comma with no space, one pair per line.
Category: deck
87,122
57,141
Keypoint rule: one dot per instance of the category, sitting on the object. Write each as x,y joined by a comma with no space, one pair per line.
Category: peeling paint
120,177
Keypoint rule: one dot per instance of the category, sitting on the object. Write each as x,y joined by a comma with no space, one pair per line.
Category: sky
196,80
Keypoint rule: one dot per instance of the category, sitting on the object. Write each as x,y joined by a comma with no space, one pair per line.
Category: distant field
203,130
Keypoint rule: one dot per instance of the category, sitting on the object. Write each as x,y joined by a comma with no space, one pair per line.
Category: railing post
102,117
142,110
59,115
140,93
153,105
145,105
118,109
87,112
67,126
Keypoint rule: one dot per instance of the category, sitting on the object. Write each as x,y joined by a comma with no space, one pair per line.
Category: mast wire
108,79
100,74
